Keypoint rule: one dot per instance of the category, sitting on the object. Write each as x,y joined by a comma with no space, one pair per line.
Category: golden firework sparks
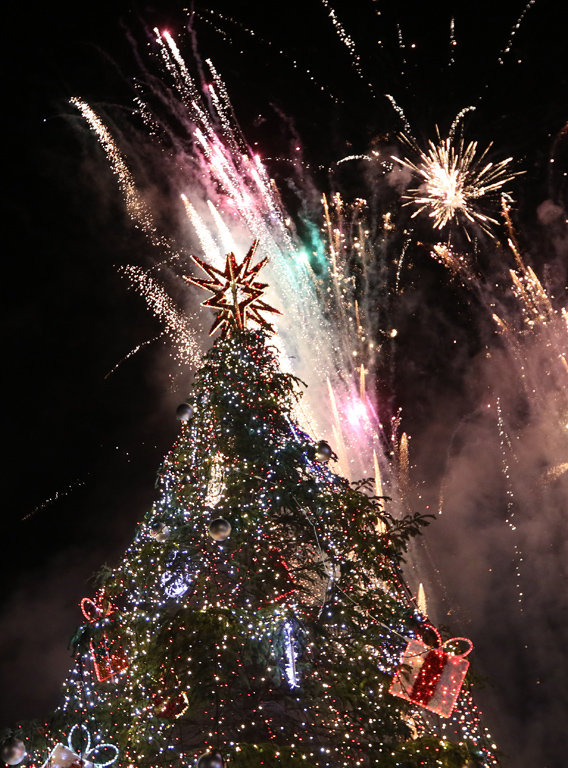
454,177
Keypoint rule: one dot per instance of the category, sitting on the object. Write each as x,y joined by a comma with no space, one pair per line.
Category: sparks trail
507,454
177,325
133,352
401,47
348,42
514,30
257,38
554,473
453,42
137,208
57,495
400,113
400,263
458,118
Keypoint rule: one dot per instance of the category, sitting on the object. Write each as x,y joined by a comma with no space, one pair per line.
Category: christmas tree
260,615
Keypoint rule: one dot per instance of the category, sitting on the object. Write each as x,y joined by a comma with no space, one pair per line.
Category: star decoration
236,293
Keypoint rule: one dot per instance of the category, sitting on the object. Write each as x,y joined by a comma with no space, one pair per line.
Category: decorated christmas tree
260,616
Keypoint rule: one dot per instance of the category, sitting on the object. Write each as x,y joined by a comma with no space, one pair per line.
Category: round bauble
210,760
184,412
159,531
220,529
13,751
323,451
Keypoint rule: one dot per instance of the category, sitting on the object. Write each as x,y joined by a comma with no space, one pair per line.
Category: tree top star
236,293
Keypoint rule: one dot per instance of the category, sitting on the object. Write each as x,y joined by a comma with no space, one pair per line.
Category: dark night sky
68,317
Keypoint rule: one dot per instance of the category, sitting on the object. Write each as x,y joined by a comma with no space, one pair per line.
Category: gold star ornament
236,293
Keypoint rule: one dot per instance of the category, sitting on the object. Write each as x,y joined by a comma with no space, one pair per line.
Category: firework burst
454,179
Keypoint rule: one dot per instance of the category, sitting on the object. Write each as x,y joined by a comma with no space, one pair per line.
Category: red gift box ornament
281,583
109,657
265,577
431,677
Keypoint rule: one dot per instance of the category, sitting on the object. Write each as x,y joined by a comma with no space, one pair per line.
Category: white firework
454,178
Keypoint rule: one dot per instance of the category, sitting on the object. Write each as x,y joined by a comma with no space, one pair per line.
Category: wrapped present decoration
109,657
72,756
271,580
64,757
431,677
280,584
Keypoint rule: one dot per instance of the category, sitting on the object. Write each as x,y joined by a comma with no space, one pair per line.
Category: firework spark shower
428,321
453,179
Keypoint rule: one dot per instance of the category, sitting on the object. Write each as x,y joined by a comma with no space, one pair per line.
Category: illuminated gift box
63,757
109,657
79,739
266,578
108,654
431,677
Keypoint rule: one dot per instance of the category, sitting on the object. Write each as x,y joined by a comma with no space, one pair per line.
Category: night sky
69,317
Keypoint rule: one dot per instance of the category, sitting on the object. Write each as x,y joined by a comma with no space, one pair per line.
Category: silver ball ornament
184,412
160,531
210,760
13,751
323,451
220,529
